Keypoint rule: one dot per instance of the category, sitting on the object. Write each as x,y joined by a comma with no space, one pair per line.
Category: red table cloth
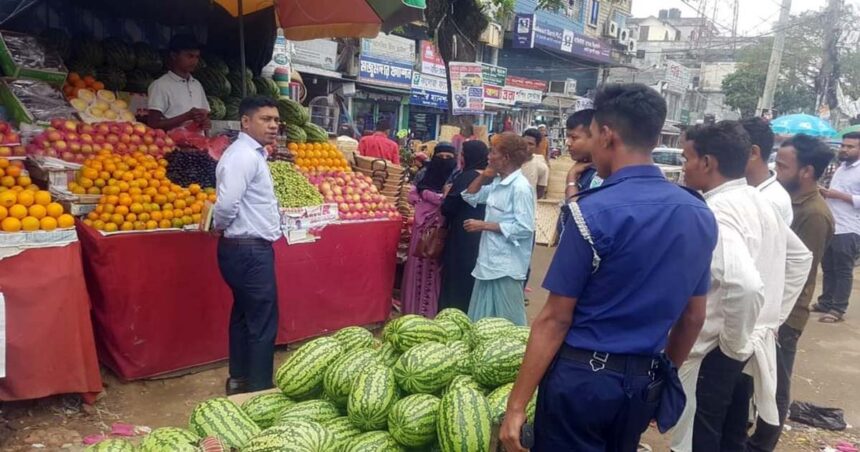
49,336
160,304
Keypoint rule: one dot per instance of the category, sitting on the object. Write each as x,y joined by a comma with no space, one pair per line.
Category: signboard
493,75
318,53
431,62
467,88
527,96
377,71
525,83
499,95
389,47
529,33
685,116
429,91
678,76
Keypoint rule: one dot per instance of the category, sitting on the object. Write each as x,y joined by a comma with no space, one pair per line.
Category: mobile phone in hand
527,436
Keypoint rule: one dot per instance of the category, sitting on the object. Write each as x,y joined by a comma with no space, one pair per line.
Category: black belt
634,364
248,241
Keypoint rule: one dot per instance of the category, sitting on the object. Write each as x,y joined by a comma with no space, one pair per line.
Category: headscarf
475,155
438,170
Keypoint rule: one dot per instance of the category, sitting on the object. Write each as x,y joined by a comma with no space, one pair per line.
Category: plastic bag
816,416
191,136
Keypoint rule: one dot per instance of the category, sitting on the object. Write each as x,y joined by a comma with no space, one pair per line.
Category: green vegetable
292,188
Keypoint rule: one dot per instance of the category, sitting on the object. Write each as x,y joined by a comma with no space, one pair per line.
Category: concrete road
827,370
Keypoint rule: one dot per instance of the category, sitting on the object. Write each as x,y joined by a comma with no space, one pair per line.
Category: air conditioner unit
623,35
565,88
611,29
632,46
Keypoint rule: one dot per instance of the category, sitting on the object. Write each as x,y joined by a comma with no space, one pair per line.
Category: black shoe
236,386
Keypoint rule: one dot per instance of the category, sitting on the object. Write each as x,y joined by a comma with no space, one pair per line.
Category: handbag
431,244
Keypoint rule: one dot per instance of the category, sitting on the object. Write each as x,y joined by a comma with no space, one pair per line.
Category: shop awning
317,71
384,89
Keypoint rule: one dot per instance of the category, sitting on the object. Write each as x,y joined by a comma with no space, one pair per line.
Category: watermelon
214,83
340,376
294,436
373,394
387,354
354,338
118,54
292,112
467,381
169,439
58,41
498,400
146,58
463,421
452,330
376,344
222,418
310,410
216,62
315,133
213,444
295,134
138,81
497,361
267,87
88,51
521,333
415,330
235,79
302,374
113,78
231,108
111,445
342,430
391,327
412,420
425,368
374,442
264,409
490,328
459,317
217,109
462,357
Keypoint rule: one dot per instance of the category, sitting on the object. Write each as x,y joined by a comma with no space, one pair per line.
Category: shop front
316,63
385,82
428,105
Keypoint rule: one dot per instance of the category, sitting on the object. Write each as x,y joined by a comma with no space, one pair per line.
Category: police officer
633,264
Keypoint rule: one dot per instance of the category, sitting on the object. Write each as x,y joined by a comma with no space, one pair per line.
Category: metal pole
242,46
766,101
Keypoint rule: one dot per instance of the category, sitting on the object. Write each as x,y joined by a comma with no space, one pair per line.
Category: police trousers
248,267
581,410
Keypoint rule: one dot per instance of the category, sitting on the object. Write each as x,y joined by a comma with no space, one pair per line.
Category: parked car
669,160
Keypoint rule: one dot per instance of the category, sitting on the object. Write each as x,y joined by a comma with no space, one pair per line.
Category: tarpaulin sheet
49,336
160,304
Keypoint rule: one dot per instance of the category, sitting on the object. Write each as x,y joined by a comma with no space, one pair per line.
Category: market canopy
847,130
314,19
806,124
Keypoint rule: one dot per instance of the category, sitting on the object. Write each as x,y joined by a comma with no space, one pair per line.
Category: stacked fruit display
292,188
318,157
356,196
75,84
25,208
75,141
428,385
137,195
10,141
308,141
190,166
101,105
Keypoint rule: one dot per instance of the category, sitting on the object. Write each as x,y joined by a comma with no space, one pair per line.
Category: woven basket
546,220
558,170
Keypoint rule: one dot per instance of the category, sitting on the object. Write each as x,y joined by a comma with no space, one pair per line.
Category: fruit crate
50,175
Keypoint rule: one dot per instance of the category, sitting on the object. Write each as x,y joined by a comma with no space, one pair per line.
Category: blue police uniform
654,240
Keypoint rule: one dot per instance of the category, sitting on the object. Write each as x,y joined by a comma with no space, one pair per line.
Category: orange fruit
92,216
8,199
139,226
111,227
7,181
167,214
3,213
151,224
37,211
131,217
65,221
122,210
10,224
156,215
136,208
14,171
54,210
42,197
177,223
48,224
94,191
143,217
187,219
30,224
4,163
117,219
24,181
127,226
18,211
26,198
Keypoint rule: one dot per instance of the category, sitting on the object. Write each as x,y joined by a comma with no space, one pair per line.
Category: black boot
236,386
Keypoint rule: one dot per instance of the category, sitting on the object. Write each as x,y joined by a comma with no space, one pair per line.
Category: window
575,9
643,32
678,35
594,14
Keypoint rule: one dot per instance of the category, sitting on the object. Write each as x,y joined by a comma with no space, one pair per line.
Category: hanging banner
393,74
499,95
525,83
467,88
389,47
530,33
493,75
527,96
431,62
429,91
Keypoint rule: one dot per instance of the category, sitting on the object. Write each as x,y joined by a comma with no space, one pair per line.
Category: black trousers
722,404
249,270
766,436
837,266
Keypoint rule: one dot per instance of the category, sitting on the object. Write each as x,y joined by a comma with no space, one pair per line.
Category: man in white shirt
758,174
756,266
843,197
177,98
536,169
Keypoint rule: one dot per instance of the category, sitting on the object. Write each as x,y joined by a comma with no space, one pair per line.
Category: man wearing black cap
177,98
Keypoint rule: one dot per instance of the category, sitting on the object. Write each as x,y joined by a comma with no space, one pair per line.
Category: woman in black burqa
461,247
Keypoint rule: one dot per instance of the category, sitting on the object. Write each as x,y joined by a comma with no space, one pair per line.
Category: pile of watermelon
434,385
297,123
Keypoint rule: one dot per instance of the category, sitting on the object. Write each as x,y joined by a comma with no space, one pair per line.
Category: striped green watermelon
295,134
267,87
342,430
217,109
340,376
387,354
467,381
222,418
315,133
302,374
497,361
521,333
310,410
214,82
231,108
373,394
416,330
452,330
498,400
264,409
213,444
378,441
390,327
462,357
425,368
354,338
111,445
293,112
412,420
461,319
294,436
491,328
169,439
463,422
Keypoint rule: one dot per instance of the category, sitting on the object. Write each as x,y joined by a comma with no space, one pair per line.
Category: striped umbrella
806,124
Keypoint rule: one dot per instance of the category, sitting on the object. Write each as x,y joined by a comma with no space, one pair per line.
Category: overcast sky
756,16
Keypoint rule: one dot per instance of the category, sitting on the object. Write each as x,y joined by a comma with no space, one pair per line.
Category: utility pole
766,101
828,78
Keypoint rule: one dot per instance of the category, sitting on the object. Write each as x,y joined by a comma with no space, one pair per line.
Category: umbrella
847,130
806,124
237,8
313,19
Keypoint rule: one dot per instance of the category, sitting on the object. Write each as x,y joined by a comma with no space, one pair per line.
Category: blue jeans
585,411
249,270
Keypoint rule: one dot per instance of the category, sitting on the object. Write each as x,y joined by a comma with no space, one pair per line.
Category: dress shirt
654,240
173,95
379,146
510,203
847,215
246,205
776,194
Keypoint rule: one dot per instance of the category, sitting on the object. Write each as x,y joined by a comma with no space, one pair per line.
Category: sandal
831,317
818,307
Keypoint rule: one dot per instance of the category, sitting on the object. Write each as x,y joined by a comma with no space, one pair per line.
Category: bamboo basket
558,170
546,220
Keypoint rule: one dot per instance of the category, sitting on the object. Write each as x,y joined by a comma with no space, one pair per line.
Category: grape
190,166
292,188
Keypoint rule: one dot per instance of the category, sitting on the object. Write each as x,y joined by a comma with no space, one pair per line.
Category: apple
337,190
107,147
139,129
12,138
343,207
169,142
86,138
61,145
88,129
80,158
86,148
68,156
339,199
102,129
115,129
70,126
122,148
57,123
125,138
135,139
160,142
4,127
97,147
153,149
358,206
99,139
71,136
54,136
356,198
148,139
112,138
74,146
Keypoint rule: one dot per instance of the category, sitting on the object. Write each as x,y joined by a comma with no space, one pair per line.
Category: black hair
182,42
852,136
634,111
582,118
811,151
760,134
382,125
250,105
727,141
534,133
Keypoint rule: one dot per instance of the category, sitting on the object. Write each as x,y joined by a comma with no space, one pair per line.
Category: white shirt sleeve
157,97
